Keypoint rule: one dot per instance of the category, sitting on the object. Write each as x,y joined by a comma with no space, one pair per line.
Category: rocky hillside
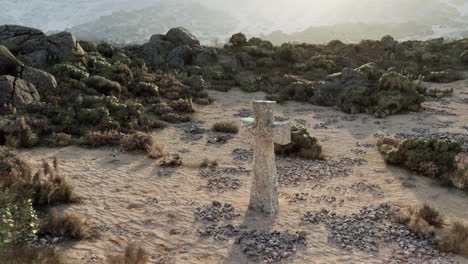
214,21
56,84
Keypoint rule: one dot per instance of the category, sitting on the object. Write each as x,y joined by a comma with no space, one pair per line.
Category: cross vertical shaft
264,194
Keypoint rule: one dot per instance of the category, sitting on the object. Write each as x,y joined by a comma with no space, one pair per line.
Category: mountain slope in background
122,21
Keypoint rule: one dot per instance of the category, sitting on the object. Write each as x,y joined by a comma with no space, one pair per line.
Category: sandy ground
131,199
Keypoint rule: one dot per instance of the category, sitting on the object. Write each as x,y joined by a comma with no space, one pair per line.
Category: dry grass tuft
128,142
430,215
206,163
69,225
388,141
226,127
31,255
420,220
456,240
132,255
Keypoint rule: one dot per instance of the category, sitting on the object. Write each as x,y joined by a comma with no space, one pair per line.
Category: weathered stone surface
180,56
9,65
34,46
17,92
327,92
264,193
206,57
42,80
62,43
181,36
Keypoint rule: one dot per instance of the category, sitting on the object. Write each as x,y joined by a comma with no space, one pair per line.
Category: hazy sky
285,15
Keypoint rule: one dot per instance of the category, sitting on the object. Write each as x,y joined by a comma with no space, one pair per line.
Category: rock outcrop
43,81
33,46
17,92
9,65
178,48
327,92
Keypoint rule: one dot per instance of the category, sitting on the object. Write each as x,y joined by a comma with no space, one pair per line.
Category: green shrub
265,62
257,51
302,145
103,85
441,77
59,140
464,57
238,40
257,42
65,70
320,62
18,218
370,70
13,168
17,133
298,91
87,46
106,50
144,89
430,156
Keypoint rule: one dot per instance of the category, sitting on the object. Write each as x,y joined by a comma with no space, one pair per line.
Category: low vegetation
132,254
31,255
456,240
171,160
70,225
431,157
302,145
226,127
425,220
129,142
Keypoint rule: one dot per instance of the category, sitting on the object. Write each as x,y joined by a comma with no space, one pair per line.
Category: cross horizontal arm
281,132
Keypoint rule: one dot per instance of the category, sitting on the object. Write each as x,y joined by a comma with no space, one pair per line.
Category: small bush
438,93
441,77
132,255
65,70
456,241
59,140
238,40
13,168
206,163
17,133
31,255
173,160
18,218
182,105
464,57
417,153
302,145
106,50
412,218
430,215
103,85
145,89
48,186
226,127
87,46
69,225
128,142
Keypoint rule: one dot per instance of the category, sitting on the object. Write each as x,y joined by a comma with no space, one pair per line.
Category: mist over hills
213,21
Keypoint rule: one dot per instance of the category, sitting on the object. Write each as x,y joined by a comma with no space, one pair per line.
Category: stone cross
264,195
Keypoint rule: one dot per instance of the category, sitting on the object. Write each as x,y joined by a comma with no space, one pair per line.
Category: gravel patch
243,154
296,171
215,212
372,227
